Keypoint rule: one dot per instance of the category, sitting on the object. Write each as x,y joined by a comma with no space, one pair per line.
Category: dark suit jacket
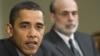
7,48
85,42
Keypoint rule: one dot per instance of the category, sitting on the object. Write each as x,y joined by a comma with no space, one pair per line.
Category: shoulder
7,48
3,51
43,49
84,37
48,49
82,34
46,46
2,42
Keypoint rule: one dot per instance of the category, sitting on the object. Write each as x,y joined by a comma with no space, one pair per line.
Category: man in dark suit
69,42
8,48
25,29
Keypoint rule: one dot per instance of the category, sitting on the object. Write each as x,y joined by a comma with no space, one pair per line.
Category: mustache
71,24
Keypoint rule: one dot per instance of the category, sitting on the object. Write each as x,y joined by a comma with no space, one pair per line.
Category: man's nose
70,17
32,33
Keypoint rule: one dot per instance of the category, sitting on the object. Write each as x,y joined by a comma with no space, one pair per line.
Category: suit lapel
64,49
83,44
60,45
11,49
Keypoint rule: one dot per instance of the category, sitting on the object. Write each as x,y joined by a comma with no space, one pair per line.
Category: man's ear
52,17
9,29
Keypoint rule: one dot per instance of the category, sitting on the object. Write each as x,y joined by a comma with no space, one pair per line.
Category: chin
72,31
29,52
69,31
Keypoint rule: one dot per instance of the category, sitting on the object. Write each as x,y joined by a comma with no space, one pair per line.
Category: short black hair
29,5
52,9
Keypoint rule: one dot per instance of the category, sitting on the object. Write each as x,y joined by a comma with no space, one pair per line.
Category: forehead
31,16
69,5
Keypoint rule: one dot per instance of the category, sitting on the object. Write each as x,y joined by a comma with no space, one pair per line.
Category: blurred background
89,15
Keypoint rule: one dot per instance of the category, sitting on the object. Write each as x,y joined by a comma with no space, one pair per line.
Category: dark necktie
74,50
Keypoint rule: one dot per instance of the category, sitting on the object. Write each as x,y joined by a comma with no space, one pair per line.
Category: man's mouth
32,44
70,26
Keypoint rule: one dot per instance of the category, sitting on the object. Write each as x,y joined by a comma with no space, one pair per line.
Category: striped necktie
74,50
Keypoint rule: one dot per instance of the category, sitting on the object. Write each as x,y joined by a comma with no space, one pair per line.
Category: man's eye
24,26
75,13
40,26
64,14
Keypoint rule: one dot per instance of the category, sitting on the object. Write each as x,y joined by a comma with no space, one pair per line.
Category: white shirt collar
64,37
19,53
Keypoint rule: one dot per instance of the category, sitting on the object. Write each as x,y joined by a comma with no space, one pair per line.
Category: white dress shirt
66,40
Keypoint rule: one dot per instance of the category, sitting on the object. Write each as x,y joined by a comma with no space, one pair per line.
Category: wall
1,34
6,6
89,14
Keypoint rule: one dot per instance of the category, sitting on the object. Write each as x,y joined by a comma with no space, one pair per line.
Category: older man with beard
69,42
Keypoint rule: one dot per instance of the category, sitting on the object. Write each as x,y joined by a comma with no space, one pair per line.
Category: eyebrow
68,11
25,22
40,24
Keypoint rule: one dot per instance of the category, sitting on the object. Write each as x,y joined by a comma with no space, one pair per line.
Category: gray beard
64,30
